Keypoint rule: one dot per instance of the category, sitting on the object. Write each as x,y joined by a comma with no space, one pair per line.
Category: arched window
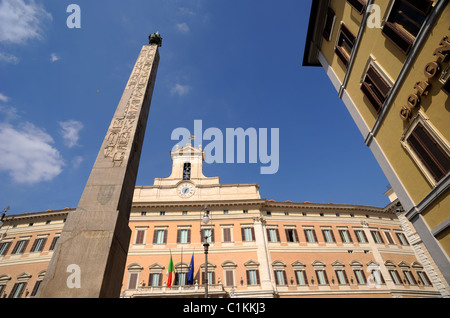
187,171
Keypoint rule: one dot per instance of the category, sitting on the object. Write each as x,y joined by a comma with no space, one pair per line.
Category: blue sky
228,63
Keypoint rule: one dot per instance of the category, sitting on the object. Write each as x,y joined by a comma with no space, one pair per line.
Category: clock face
185,190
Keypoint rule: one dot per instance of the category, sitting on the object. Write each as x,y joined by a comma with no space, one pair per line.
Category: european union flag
190,277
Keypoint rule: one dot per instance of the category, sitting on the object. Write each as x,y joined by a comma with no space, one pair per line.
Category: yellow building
257,247
389,63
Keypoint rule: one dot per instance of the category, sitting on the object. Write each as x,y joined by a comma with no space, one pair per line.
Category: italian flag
170,272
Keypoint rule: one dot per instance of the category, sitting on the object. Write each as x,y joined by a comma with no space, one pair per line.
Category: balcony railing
215,290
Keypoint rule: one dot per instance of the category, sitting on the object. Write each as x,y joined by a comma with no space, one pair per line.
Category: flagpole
181,270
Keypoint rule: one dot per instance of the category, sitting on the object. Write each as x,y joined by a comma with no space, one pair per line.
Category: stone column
90,256
263,257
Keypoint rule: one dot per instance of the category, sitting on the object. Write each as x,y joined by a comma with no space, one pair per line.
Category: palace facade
257,247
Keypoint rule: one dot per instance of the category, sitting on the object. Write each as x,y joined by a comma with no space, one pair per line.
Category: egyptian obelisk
89,260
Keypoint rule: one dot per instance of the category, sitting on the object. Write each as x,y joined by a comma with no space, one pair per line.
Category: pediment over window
337,264
135,267
156,266
417,265
298,265
389,263
318,263
229,264
403,264
356,264
251,263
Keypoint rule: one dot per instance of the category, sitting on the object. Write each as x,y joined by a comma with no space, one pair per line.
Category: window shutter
178,235
345,276
13,290
253,234
278,235
400,39
8,245
287,235
226,235
430,152
364,235
257,276
295,235
155,236
314,234
243,234
189,235
342,236
133,281
212,235
359,5
229,278
35,288
247,273
296,273
34,245
329,24
276,278
349,237
332,236
348,34
213,278
15,247
305,277
326,277
150,279
52,246
379,81
285,278
165,236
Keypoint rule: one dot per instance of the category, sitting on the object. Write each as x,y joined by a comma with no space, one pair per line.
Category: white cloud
8,58
180,90
76,162
70,130
3,98
9,113
54,57
182,27
27,154
21,21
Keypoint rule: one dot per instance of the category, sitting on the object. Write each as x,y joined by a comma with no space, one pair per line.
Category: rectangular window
4,247
361,236
359,5
341,276
280,277
252,277
405,21
429,152
395,277
208,234
322,278
291,235
377,237
160,236
180,279
229,278
36,287
20,247
378,278
329,24
248,234
360,277
139,237
54,241
132,281
389,237
273,235
310,235
375,87
17,290
226,234
424,278
155,279
345,236
328,236
409,277
211,278
183,236
301,277
38,244
345,44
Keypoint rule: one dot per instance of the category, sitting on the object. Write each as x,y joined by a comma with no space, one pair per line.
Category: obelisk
90,256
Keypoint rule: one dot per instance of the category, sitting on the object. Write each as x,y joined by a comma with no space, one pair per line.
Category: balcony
188,291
